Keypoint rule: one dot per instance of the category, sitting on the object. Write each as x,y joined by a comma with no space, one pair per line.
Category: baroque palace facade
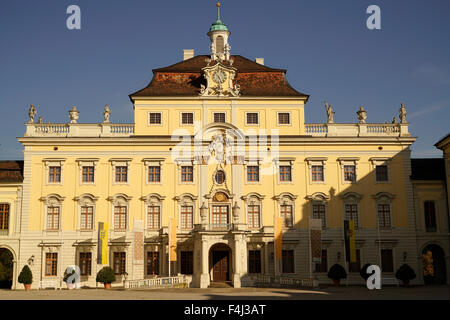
219,146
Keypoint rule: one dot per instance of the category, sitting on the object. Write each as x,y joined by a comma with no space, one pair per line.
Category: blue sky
324,44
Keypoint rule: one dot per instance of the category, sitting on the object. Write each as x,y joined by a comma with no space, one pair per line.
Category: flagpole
310,251
168,245
379,239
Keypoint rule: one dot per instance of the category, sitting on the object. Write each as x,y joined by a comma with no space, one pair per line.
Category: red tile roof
184,79
11,171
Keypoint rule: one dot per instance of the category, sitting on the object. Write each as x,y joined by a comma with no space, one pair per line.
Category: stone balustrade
79,130
356,129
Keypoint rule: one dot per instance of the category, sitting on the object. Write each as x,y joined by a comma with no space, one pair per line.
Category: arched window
384,209
53,208
153,204
351,207
253,202
86,209
120,204
186,205
319,207
286,207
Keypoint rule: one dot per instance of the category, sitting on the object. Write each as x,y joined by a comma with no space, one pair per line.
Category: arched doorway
433,263
6,268
220,263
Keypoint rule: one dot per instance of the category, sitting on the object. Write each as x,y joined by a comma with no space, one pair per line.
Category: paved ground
327,293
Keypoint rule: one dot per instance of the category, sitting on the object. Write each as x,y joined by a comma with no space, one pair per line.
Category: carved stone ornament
32,113
220,197
219,79
106,114
221,147
402,114
330,112
74,114
362,115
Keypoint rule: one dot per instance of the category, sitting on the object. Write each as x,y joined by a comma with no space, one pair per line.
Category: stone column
240,259
204,278
266,258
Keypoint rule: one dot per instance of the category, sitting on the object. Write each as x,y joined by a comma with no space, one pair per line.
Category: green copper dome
218,26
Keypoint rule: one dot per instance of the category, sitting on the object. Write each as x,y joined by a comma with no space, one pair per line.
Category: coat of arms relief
219,82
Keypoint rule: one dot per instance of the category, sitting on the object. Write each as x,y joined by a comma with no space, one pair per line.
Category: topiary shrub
405,273
106,275
26,276
363,271
337,272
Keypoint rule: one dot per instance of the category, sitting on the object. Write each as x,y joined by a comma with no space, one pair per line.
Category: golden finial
218,4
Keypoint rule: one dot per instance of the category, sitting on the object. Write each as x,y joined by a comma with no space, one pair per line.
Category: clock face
219,76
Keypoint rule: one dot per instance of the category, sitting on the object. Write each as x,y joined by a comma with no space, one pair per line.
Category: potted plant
69,282
364,273
106,276
336,273
406,274
26,277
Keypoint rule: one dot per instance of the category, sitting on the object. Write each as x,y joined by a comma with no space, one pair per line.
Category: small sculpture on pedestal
362,115
402,114
106,114
394,121
40,120
330,112
32,113
74,115
236,213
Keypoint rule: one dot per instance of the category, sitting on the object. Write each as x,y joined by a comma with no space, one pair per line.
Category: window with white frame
253,202
286,209
384,209
153,170
351,207
284,118
186,205
187,118
53,209
121,169
219,117
86,204
120,206
155,118
252,118
88,170
316,168
319,207
153,204
381,168
349,169
54,171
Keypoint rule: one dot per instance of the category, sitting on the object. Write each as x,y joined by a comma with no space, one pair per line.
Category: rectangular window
288,261
220,216
153,217
253,216
219,117
120,218
384,215
51,264
350,173
155,118
88,174
187,262
52,218
284,118
253,173
154,174
187,118
351,213
286,215
317,173
119,262
152,263
355,266
4,216
121,174
187,174
187,217
387,261
85,263
252,118
254,261
381,173
323,265
87,217
319,213
285,173
54,174
430,216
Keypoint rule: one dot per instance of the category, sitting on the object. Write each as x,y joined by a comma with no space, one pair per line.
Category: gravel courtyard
324,293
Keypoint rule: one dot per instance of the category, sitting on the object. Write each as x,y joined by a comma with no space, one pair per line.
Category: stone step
220,285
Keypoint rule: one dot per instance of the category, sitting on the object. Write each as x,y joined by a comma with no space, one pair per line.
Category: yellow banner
173,239
103,242
278,235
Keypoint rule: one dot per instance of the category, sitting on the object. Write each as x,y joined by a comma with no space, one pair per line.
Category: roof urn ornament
362,115
394,121
402,114
32,113
40,120
74,114
330,112
106,114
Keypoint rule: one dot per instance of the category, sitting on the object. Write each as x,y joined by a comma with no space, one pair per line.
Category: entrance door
220,265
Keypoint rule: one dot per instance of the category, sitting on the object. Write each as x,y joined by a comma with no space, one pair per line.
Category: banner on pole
315,234
349,240
173,239
278,238
138,255
102,243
